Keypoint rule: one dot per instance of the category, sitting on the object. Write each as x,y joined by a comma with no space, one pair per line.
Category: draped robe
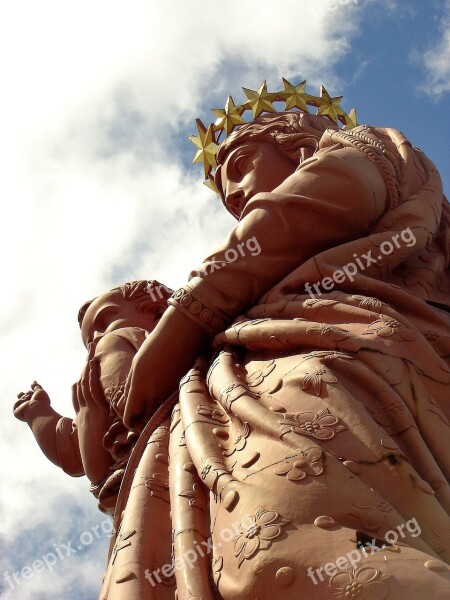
318,424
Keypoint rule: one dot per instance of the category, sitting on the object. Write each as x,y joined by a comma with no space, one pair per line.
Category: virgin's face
250,169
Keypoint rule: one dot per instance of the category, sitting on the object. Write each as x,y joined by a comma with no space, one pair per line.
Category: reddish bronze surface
306,454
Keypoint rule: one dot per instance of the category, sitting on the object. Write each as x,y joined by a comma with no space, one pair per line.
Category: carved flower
327,355
122,542
234,391
214,468
364,583
335,333
372,304
195,496
258,376
160,436
372,510
322,426
386,326
158,484
256,532
318,303
240,441
314,380
297,466
389,411
213,414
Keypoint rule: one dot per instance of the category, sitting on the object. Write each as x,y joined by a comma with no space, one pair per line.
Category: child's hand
37,395
88,392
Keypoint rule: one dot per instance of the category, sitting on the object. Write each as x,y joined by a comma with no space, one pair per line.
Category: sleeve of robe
334,197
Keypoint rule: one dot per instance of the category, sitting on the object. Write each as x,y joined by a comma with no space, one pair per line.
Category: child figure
96,443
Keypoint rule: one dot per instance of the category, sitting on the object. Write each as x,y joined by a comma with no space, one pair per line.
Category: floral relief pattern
312,381
234,391
385,327
216,415
372,304
212,467
256,533
122,542
240,441
300,464
160,437
322,426
327,355
363,583
387,410
372,510
318,303
195,496
158,485
258,376
334,333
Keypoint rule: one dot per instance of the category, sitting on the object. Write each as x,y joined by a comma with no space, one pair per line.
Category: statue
96,443
306,453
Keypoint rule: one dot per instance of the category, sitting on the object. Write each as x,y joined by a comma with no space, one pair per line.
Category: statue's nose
236,201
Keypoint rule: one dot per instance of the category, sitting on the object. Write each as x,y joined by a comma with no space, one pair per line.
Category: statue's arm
337,196
334,198
56,435
107,367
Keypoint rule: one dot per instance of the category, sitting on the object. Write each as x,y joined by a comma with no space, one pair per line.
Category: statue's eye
104,318
241,163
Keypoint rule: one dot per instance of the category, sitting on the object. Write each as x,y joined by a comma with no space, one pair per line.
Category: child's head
134,304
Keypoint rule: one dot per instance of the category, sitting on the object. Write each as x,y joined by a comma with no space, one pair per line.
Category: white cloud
436,60
97,100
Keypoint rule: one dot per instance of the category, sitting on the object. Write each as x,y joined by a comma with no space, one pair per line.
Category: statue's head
133,304
261,154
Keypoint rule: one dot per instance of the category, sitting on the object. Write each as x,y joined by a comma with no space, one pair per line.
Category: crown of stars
259,102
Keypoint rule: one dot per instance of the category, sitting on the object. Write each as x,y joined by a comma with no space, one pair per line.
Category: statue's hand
37,395
163,359
87,393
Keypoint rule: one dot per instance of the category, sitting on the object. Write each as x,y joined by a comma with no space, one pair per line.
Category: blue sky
97,104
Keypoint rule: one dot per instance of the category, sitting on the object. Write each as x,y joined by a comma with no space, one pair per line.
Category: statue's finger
95,387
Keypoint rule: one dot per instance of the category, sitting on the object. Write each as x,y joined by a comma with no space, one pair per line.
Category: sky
97,187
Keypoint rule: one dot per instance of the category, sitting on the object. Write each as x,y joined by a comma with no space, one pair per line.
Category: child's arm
54,433
108,364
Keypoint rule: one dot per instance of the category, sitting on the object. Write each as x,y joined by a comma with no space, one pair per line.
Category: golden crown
261,101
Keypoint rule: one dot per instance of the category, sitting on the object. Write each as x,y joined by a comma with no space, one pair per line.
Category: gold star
207,147
329,107
260,101
295,96
351,120
228,117
211,184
